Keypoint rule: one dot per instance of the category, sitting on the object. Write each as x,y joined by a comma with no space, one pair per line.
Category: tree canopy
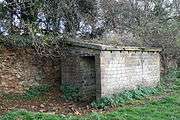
152,23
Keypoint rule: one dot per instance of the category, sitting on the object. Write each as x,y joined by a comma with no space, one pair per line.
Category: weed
169,77
178,73
124,97
166,109
166,82
36,91
31,93
71,92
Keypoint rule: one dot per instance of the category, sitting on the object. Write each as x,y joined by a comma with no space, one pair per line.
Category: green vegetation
70,92
164,108
170,76
140,93
124,97
178,73
16,41
31,93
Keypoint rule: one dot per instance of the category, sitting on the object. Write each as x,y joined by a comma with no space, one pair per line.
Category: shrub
31,93
71,92
170,76
169,80
178,73
36,91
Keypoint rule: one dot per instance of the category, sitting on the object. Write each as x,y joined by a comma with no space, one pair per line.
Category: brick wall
127,70
21,68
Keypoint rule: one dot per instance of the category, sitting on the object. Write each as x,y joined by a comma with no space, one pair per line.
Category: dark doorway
88,74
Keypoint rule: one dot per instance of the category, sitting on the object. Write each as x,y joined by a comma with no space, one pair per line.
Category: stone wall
80,72
101,70
124,70
79,68
70,74
97,70
22,68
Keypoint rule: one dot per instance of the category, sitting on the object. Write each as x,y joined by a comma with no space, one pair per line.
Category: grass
125,97
165,109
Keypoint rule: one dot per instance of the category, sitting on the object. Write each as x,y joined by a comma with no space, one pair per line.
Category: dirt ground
51,102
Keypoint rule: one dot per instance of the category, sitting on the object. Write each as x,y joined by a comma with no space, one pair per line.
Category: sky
1,1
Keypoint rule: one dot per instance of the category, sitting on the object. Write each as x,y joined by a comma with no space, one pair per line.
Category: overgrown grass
124,97
31,93
165,109
167,81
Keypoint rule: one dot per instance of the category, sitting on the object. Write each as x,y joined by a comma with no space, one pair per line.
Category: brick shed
102,70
